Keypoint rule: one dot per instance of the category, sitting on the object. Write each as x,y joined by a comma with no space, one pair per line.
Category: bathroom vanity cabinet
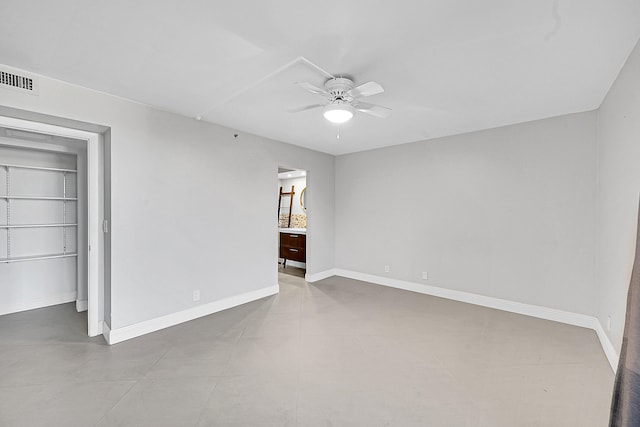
293,245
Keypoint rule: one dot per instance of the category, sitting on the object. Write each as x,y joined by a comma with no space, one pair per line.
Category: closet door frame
94,249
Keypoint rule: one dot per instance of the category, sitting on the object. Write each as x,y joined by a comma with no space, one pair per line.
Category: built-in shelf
36,257
37,225
8,226
66,199
38,168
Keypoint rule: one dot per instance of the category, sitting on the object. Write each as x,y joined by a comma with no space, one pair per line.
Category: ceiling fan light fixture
338,113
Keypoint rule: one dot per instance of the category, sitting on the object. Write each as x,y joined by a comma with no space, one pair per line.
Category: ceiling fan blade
374,110
312,88
366,89
308,107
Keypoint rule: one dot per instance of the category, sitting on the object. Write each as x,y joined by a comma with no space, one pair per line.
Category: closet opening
50,251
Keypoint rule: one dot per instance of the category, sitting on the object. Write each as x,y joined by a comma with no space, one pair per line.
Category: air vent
18,81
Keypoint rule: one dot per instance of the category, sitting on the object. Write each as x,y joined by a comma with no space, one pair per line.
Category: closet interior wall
42,227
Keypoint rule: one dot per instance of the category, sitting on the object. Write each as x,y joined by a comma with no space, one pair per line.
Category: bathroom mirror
302,199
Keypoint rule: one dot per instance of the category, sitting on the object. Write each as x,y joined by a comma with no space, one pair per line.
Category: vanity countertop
294,230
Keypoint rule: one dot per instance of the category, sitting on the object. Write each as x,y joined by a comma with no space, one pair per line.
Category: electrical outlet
608,323
425,275
196,295
386,268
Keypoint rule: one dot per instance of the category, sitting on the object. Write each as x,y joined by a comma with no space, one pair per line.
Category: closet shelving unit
8,197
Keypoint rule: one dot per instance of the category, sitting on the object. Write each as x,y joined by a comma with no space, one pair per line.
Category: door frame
94,249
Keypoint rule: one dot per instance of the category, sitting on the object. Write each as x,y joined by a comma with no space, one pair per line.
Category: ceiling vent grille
18,81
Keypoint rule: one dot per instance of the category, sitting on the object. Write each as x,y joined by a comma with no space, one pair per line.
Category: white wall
618,189
178,221
299,185
506,213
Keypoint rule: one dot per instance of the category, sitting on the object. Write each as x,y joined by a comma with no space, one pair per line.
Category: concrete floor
336,353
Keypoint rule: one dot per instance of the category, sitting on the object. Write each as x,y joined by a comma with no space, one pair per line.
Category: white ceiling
447,66
292,174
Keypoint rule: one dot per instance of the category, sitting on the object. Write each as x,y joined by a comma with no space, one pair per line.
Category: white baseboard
37,303
540,312
117,335
320,276
82,305
607,346
484,301
106,332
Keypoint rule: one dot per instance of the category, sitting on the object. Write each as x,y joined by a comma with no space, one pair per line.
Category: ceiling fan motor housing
339,89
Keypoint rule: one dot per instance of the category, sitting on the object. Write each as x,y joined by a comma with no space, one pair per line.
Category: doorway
57,169
292,221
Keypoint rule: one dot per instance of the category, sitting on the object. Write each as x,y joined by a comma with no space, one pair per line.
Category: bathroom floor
292,271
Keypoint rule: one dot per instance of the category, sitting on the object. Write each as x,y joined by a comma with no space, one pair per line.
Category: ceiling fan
344,99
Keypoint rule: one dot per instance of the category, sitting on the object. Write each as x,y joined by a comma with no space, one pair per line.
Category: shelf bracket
64,212
8,192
